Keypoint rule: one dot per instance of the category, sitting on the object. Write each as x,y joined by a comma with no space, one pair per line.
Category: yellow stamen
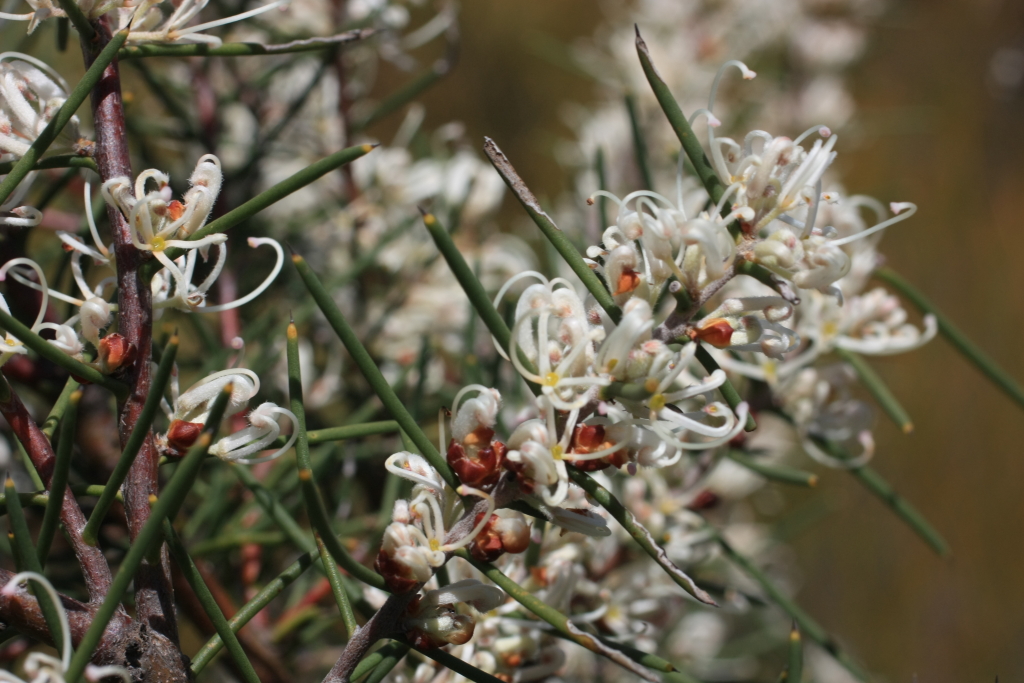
657,402
651,384
612,363
435,545
551,379
158,244
556,452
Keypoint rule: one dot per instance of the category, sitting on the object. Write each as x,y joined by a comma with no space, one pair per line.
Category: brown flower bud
181,435
478,459
115,353
715,331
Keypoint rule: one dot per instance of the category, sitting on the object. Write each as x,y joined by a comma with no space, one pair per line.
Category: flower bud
716,331
115,352
181,435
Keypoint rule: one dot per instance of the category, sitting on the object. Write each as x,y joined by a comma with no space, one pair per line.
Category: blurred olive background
940,106
940,97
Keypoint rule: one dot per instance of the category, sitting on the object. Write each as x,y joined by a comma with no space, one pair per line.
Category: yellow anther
435,544
551,379
556,452
657,402
158,244
612,363
829,329
651,384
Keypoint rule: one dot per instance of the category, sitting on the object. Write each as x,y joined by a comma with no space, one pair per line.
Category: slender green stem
407,93
271,196
63,116
59,161
670,674
602,184
338,588
795,669
135,440
956,336
253,607
85,30
468,280
344,433
876,484
639,144
780,473
464,669
41,498
638,533
371,372
370,661
51,353
310,493
558,240
242,49
49,426
532,556
559,621
691,145
270,504
26,560
808,625
877,387
59,480
389,662
173,495
208,603
729,393
227,541
26,461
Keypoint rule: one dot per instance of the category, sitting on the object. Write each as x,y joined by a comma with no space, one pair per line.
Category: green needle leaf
278,192
208,603
779,473
563,625
242,49
60,161
51,353
877,484
807,624
371,372
795,670
59,480
639,533
253,607
955,336
310,493
558,240
878,388
729,393
26,560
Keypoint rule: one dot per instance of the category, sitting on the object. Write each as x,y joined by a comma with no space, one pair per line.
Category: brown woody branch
21,611
154,593
94,566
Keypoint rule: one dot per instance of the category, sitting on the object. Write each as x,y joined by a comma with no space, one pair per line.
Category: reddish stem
154,594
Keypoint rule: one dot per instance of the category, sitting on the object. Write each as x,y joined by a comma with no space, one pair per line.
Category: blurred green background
940,107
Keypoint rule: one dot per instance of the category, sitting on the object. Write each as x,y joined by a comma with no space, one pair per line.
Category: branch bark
154,593
94,566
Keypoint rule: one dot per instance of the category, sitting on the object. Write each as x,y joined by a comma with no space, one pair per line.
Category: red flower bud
115,352
716,331
181,435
